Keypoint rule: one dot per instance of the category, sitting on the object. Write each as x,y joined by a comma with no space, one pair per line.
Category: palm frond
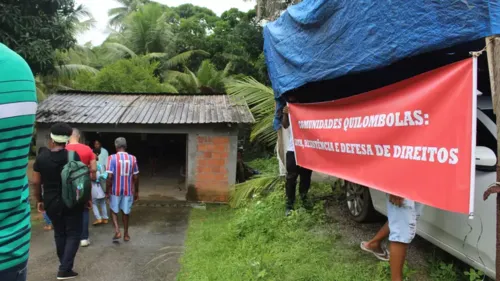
117,51
229,67
242,192
260,99
263,131
169,88
155,55
183,58
71,70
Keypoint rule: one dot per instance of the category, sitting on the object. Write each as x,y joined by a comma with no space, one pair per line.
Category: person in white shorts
400,228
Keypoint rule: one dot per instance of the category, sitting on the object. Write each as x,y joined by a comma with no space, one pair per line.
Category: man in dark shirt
67,222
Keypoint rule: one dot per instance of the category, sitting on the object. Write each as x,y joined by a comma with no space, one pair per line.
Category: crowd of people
111,180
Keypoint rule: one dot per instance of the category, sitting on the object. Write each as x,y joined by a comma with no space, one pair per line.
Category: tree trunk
493,50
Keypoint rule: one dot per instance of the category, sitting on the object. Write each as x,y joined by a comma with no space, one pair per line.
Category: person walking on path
401,228
122,186
18,106
98,195
68,223
293,171
103,153
87,157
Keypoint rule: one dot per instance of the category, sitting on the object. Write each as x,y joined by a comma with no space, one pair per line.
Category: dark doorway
161,158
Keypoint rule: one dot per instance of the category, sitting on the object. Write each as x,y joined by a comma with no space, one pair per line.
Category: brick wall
211,175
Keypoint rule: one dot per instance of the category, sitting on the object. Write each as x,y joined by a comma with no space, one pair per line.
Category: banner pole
493,51
473,139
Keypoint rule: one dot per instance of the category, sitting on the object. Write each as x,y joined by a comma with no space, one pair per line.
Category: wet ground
157,238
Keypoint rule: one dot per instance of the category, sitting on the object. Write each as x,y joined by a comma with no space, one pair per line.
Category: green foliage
147,30
260,99
443,272
127,75
207,79
474,275
119,14
36,28
384,272
258,242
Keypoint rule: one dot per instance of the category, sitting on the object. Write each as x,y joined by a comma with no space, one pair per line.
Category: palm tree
119,14
206,80
116,51
260,99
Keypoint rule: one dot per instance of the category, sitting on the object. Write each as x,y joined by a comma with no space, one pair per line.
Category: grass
258,243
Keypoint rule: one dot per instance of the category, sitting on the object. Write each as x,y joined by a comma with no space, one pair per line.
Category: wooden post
493,50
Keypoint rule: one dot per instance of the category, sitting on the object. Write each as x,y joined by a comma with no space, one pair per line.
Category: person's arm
285,121
135,182
93,165
110,171
135,179
37,186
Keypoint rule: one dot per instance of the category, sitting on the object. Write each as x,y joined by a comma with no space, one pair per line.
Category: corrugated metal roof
100,108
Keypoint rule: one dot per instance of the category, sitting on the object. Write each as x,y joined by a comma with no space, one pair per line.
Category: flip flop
126,238
117,237
381,256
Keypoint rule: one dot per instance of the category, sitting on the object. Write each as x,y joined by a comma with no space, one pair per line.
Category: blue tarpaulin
319,40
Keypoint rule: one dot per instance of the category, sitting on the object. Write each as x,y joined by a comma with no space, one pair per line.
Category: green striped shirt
17,115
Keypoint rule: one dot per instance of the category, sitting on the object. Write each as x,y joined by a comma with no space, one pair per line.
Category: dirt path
157,243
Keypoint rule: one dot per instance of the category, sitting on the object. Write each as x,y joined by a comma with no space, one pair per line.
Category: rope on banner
478,53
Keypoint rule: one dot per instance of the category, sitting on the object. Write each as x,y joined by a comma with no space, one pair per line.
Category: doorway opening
162,160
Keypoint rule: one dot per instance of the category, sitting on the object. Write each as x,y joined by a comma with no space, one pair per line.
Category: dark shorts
17,273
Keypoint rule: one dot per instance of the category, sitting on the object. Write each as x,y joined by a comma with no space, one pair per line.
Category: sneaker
97,222
62,275
84,243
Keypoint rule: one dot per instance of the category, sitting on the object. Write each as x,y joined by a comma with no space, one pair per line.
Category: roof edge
138,93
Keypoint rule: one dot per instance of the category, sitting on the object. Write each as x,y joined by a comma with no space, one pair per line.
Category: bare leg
375,243
397,259
126,236
115,225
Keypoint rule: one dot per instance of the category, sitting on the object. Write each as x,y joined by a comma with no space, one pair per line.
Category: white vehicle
444,229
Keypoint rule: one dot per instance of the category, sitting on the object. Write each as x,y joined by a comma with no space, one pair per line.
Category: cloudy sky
99,9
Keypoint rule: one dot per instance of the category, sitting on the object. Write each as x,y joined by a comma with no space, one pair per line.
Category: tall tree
36,28
119,14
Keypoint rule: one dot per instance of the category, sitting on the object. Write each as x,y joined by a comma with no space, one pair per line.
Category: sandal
384,256
126,238
117,237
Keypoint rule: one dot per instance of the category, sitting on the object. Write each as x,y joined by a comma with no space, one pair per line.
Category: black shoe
63,275
288,212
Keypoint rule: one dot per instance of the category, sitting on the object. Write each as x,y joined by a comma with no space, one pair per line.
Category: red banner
412,139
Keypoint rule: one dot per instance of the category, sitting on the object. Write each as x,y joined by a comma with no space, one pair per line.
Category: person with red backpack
67,221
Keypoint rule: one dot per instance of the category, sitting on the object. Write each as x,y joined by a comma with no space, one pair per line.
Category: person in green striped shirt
18,106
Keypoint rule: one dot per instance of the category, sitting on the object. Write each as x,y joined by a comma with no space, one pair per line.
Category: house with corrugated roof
191,141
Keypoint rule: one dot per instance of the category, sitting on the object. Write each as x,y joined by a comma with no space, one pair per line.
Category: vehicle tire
359,203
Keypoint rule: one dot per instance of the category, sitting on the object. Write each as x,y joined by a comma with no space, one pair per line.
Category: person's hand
40,207
89,204
285,110
396,200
